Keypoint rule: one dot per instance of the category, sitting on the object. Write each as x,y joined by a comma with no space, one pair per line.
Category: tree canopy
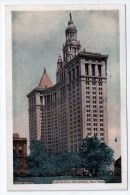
41,163
96,156
37,158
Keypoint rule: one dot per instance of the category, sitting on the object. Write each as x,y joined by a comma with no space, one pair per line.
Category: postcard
66,97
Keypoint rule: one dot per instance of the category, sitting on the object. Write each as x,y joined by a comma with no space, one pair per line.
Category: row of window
90,69
74,73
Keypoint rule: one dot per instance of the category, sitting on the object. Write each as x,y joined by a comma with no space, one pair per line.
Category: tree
16,161
67,161
41,163
96,156
37,159
62,163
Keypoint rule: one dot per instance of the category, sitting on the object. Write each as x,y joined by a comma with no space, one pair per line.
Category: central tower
72,46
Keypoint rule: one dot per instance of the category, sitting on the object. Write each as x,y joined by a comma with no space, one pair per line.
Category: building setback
61,115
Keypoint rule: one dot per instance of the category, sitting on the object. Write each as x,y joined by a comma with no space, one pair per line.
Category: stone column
83,100
103,74
96,70
105,114
98,110
91,107
38,116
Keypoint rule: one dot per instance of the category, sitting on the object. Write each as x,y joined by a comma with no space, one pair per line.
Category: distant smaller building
19,154
117,165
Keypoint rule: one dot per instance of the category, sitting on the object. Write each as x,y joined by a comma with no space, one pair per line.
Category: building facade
20,154
63,114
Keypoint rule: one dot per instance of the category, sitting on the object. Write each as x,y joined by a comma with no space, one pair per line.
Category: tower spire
45,81
44,69
70,21
70,16
59,62
72,45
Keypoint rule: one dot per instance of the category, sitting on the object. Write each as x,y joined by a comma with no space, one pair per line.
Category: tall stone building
76,106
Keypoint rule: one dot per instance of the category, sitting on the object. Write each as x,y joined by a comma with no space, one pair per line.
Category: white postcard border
9,125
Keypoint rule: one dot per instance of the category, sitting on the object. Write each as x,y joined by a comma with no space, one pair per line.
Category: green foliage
64,162
96,156
40,163
16,161
37,159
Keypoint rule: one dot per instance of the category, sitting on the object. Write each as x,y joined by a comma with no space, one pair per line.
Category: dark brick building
19,154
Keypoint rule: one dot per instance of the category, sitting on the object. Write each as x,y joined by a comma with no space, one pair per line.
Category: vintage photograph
66,96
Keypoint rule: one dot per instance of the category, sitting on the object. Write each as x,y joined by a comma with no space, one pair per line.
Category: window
69,76
99,70
20,150
93,69
77,70
74,51
73,71
86,69
48,99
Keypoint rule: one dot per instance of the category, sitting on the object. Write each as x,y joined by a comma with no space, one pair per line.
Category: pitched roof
45,81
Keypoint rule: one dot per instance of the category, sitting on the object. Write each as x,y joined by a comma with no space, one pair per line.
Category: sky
37,40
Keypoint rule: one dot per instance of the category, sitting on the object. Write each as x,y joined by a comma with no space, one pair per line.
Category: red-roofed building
45,81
